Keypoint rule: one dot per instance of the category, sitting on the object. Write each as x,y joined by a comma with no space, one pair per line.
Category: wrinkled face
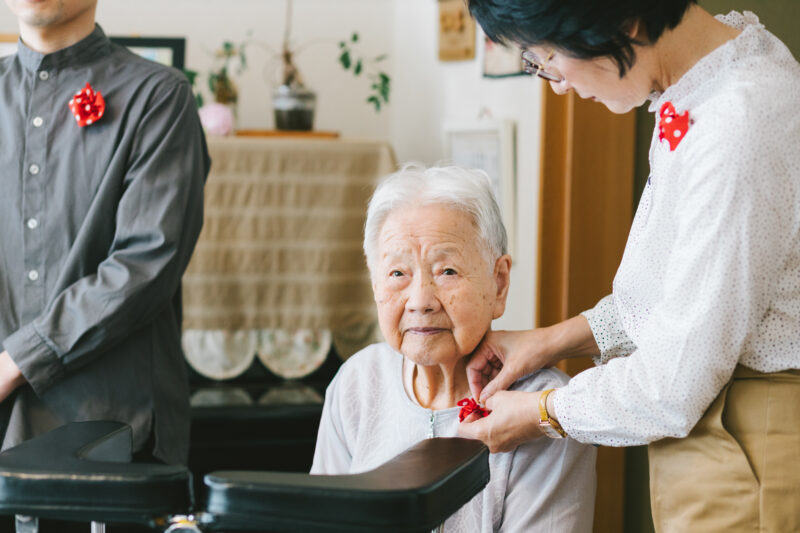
598,79
436,294
50,13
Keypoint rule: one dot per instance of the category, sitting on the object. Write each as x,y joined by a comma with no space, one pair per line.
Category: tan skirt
739,468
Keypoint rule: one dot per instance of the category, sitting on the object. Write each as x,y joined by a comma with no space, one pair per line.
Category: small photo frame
501,61
8,44
488,144
169,51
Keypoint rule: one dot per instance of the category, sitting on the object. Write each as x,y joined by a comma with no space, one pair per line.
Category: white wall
318,27
425,92
429,92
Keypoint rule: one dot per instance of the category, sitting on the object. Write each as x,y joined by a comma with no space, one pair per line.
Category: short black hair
584,28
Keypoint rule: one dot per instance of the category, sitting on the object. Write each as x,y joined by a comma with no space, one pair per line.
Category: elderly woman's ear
502,279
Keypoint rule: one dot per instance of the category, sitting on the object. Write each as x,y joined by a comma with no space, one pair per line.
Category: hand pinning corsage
87,106
469,406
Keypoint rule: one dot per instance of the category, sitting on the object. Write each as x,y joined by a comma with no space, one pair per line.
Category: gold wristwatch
548,425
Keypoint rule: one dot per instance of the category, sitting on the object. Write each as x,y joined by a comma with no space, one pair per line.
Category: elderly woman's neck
439,386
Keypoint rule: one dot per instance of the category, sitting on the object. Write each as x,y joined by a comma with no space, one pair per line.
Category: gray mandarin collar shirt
97,225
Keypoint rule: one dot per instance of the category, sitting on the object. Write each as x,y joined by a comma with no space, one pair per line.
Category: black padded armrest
415,491
81,471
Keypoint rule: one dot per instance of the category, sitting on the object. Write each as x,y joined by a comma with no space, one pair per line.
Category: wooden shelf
314,134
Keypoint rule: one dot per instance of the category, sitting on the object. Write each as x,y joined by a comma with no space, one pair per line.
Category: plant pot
218,119
294,108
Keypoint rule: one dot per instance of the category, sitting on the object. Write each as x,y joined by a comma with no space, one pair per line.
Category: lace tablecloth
278,272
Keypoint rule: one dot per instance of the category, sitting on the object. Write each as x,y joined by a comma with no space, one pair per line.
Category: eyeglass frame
532,67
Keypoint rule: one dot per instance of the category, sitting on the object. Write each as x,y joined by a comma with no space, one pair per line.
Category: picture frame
169,51
457,31
501,61
8,44
490,145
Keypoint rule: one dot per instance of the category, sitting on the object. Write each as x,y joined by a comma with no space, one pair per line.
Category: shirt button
34,169
43,75
33,275
33,223
38,121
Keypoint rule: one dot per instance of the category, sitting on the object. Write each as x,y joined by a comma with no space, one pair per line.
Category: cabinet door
586,199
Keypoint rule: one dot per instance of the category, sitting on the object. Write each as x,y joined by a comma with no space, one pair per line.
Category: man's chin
37,19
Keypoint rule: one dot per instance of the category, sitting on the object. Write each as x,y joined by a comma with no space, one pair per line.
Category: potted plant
219,117
294,104
219,80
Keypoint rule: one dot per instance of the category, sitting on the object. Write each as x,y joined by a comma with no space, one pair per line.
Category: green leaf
384,77
345,60
342,44
380,58
354,38
212,82
198,98
357,69
227,47
374,101
191,75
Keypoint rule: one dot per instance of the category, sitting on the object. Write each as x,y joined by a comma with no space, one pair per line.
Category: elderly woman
436,250
698,346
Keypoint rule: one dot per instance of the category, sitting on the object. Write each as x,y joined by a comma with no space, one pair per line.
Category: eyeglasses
531,65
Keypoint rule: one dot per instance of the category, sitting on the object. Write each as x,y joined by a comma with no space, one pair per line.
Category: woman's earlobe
633,28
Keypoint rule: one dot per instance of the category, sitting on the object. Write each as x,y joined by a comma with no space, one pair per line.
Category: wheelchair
82,472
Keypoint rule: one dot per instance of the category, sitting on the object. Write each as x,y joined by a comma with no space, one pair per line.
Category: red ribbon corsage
672,126
469,406
87,106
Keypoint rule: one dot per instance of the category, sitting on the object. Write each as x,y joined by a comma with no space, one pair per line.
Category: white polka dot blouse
710,277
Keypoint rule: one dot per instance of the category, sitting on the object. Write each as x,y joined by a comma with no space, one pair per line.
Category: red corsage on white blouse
87,106
672,126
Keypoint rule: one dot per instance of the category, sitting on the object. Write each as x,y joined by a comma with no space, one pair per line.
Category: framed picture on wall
490,145
169,51
8,44
501,61
457,31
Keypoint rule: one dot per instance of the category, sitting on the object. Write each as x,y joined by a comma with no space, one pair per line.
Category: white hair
465,189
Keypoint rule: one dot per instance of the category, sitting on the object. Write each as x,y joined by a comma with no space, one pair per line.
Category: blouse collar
697,75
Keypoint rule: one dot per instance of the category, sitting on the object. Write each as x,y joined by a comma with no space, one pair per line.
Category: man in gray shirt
101,203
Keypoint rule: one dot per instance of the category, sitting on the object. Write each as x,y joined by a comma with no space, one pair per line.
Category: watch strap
547,424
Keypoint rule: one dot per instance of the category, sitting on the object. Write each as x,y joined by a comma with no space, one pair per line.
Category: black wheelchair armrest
81,471
416,491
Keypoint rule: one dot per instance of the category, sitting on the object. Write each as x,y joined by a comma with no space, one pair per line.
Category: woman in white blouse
698,346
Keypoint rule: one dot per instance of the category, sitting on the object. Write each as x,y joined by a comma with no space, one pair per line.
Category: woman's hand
503,357
513,420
